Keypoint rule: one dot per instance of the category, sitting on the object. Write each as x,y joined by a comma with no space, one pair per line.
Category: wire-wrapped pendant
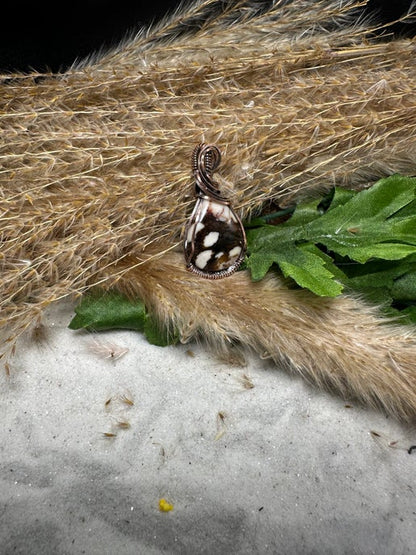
215,241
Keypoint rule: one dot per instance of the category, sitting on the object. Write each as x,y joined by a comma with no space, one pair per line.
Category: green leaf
404,288
386,251
361,230
305,264
380,201
376,273
100,310
305,213
309,269
410,314
259,264
328,261
159,335
340,197
408,210
374,224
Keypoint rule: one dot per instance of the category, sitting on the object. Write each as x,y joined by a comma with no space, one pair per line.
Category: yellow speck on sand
164,506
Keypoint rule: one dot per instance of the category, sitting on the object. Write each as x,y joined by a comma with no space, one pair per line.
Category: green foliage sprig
104,310
363,241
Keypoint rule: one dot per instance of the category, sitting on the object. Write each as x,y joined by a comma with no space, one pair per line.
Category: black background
42,36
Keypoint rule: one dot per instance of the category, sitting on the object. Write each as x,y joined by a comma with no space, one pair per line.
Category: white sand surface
277,468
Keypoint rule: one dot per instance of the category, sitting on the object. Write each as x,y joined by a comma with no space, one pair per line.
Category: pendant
215,241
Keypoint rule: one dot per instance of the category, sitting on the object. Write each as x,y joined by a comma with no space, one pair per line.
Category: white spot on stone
202,259
211,238
221,212
199,226
235,252
190,234
193,230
